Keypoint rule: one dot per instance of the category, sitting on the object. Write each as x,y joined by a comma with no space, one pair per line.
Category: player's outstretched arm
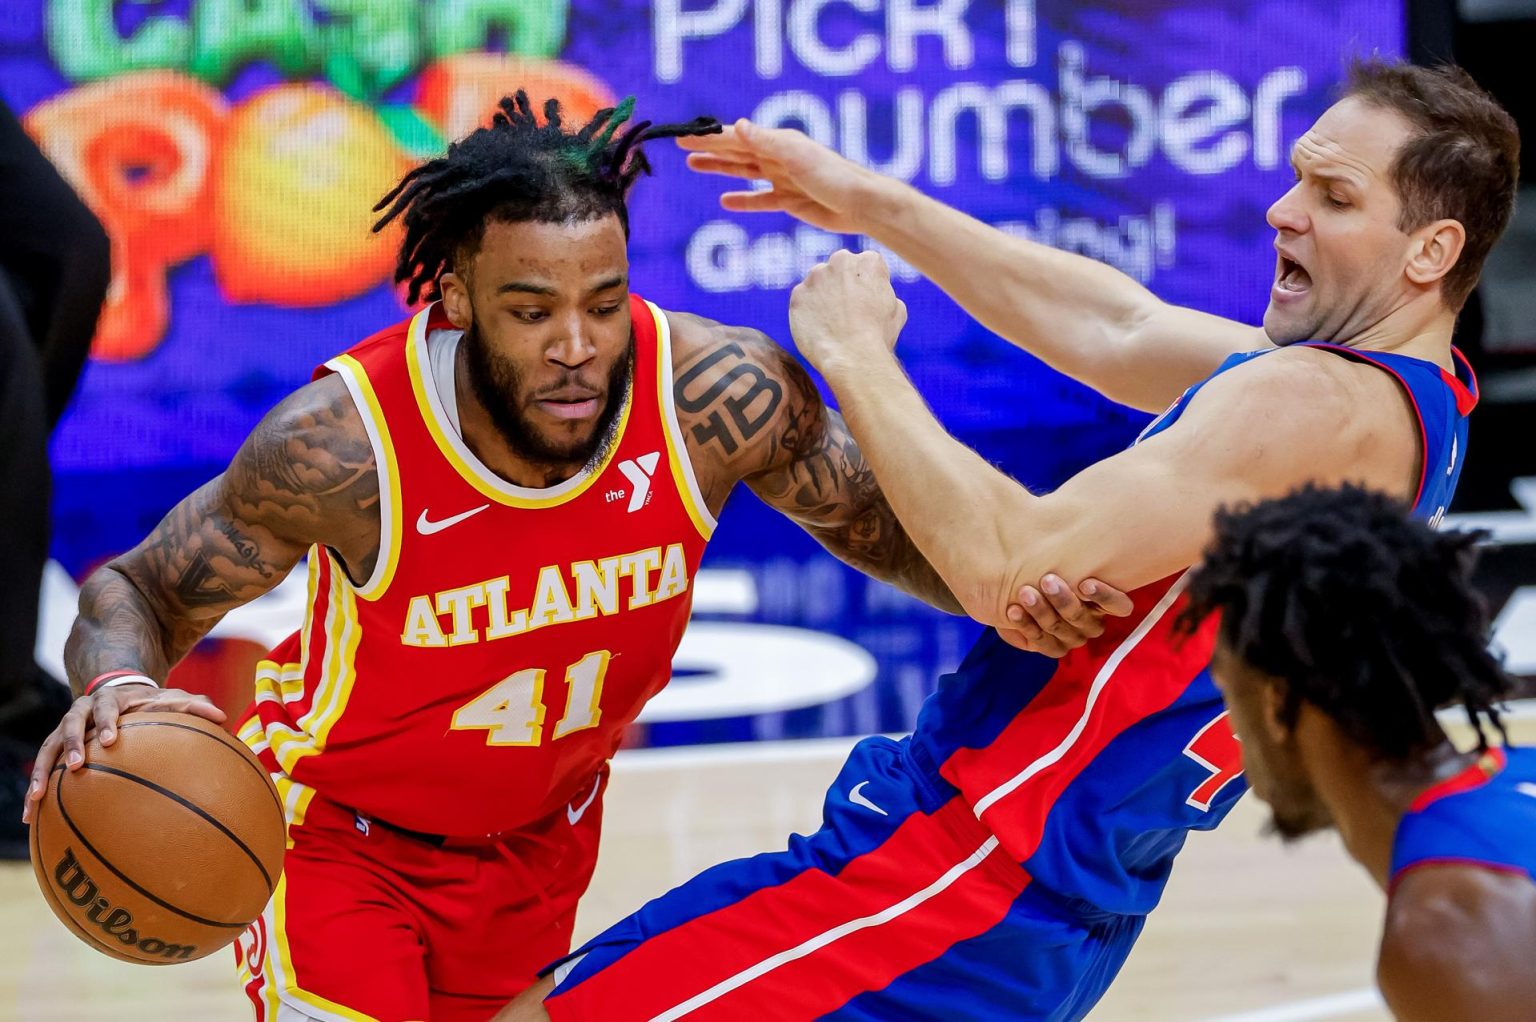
305,475
1458,944
750,413
1080,316
1256,432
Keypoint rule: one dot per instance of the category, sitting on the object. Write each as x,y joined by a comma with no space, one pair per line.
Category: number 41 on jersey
512,710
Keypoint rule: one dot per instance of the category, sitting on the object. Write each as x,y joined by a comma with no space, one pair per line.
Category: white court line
1331,1006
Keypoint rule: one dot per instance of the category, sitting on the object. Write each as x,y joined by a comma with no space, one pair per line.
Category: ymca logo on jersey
639,472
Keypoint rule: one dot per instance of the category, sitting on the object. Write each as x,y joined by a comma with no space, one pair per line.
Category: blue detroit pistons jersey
1485,816
1091,770
1010,848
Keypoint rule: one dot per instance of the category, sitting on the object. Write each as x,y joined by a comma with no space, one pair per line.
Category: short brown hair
1462,164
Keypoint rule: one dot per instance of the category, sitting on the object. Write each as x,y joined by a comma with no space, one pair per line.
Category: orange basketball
165,845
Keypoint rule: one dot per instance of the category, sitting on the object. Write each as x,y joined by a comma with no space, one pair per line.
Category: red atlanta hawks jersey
479,679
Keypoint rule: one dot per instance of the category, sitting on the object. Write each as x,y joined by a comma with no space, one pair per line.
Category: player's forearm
952,505
120,629
877,545
907,569
1076,314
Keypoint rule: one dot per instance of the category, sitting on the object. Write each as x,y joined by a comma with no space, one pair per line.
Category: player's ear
455,292
1434,250
1272,711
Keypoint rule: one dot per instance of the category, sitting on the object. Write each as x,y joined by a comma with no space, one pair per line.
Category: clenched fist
844,313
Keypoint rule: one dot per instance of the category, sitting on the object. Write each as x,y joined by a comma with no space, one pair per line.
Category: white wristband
118,678
130,679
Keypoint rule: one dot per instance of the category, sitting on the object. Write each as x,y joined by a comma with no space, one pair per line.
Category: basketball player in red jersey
503,501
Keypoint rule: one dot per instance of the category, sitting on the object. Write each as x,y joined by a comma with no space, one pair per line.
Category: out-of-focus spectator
54,268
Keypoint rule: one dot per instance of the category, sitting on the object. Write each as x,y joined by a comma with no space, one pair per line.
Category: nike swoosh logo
427,527
1526,788
858,799
574,813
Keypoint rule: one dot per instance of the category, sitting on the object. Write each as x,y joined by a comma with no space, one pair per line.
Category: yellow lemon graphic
300,169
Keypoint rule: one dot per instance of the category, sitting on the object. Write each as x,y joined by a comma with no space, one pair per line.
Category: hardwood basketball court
1250,930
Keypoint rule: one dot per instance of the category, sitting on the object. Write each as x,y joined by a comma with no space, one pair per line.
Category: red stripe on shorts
1045,744
721,955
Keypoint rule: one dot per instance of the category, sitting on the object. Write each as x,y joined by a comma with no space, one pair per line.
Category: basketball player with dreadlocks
504,501
1344,625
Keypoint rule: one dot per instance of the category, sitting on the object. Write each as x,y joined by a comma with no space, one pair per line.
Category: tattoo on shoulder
314,450
305,475
753,406
733,398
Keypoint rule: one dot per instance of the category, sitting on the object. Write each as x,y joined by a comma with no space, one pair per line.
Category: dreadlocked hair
518,170
1360,610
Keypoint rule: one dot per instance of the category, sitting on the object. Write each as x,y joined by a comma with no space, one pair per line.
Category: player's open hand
99,712
1055,619
805,178
844,312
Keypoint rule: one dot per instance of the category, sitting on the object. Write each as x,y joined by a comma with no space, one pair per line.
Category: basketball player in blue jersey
1344,624
1000,862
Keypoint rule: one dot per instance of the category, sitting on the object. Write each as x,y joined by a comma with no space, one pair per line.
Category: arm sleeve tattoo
748,405
305,475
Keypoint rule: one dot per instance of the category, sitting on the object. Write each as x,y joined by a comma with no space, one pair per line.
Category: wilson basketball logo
76,885
163,846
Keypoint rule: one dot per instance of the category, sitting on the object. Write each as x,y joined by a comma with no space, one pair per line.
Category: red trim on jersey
319,641
1465,400
1452,860
1148,679
1484,769
769,922
1466,393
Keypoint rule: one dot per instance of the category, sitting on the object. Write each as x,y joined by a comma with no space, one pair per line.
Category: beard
1296,811
500,389
1293,825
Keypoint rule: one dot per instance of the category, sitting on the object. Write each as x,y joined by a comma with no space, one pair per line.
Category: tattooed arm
305,475
750,412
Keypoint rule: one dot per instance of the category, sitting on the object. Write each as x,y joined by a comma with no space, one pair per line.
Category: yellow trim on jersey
311,590
251,734
677,448
463,459
274,733
279,682
284,957
337,673
295,798
372,413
